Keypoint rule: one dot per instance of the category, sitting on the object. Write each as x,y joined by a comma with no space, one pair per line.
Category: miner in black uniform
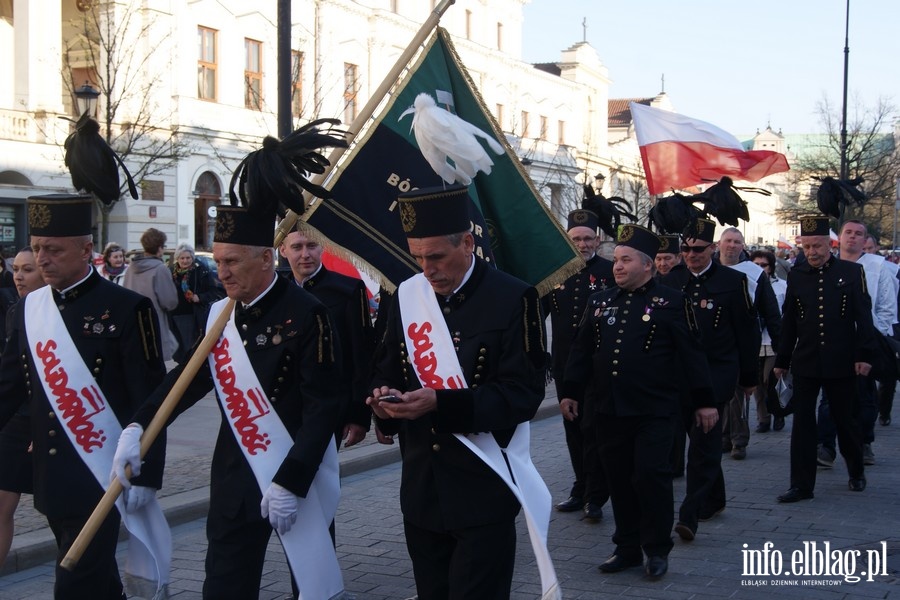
827,339
459,516
668,257
348,304
287,335
637,349
731,337
565,305
114,332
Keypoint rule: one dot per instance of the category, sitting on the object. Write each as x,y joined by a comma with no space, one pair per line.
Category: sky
737,65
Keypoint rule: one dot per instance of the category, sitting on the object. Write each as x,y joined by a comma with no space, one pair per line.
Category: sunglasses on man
698,249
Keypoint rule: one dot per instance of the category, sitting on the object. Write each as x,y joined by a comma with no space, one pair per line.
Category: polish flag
679,152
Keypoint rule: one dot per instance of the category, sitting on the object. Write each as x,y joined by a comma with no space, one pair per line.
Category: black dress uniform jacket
496,324
348,304
729,328
565,306
114,331
636,351
827,314
287,335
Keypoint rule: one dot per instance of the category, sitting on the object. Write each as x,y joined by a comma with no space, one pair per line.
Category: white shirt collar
265,291
76,284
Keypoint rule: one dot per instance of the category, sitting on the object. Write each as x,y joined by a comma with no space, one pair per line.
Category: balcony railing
37,127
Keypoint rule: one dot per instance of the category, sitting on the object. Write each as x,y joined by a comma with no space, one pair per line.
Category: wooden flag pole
150,434
287,224
172,399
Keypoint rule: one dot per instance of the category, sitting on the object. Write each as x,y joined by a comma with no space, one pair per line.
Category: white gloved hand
137,496
128,452
280,507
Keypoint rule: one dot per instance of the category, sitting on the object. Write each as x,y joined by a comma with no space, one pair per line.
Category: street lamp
86,98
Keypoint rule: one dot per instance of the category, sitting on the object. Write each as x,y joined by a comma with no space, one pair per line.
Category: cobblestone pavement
375,564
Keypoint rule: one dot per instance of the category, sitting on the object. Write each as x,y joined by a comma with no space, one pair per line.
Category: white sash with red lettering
265,442
424,325
93,429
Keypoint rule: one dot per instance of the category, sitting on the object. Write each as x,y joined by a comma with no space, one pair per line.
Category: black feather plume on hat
724,203
94,166
273,178
674,215
834,195
610,210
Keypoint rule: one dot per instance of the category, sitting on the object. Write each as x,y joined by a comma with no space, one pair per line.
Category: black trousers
581,440
97,575
235,555
841,395
705,485
635,455
474,563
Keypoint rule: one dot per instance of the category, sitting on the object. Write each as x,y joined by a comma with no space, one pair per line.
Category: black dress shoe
708,514
685,532
592,512
616,563
778,425
656,567
794,495
763,427
885,420
857,484
571,505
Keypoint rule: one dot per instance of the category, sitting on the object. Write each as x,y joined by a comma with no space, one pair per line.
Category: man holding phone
464,353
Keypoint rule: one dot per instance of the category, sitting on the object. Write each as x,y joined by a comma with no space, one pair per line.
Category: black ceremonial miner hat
583,218
639,238
702,229
239,225
668,244
60,215
435,211
814,225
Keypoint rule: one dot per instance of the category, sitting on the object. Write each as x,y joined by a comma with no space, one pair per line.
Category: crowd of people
657,356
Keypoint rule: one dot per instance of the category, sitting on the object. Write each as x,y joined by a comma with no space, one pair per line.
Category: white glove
280,507
137,496
128,452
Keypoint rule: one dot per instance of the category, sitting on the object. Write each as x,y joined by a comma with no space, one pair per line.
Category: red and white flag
679,152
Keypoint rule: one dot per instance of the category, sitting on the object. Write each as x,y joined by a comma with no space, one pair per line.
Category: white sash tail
427,336
93,429
265,442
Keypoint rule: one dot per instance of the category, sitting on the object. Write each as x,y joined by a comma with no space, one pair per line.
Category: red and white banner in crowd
679,152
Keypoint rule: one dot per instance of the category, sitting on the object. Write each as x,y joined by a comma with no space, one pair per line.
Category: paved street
375,564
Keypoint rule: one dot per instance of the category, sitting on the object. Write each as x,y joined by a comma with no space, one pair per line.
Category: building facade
188,87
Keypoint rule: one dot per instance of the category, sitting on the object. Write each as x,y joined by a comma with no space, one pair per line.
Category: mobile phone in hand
390,398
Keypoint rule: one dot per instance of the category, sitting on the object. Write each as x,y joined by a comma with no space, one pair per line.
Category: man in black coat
827,340
459,515
736,421
348,305
288,339
731,338
114,332
565,306
636,350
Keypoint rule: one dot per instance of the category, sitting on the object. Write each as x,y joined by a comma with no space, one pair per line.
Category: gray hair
185,247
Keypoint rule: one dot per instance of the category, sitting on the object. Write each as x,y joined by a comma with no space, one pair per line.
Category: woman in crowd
766,387
196,291
6,278
149,276
15,438
113,267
